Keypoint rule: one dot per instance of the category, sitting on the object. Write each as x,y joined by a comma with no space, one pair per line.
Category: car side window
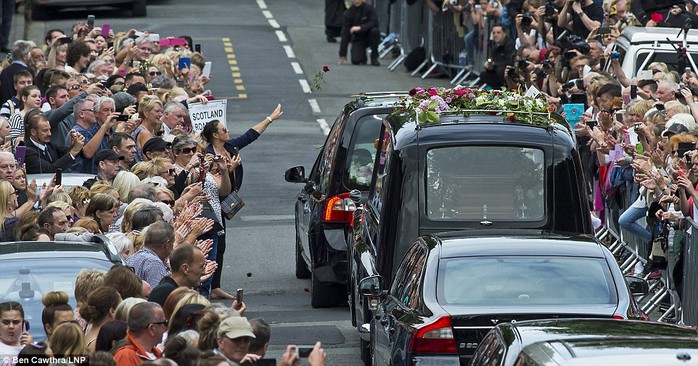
490,351
361,154
327,161
381,170
408,282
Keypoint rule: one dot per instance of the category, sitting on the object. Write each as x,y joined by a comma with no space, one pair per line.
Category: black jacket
364,16
643,9
7,84
37,162
503,54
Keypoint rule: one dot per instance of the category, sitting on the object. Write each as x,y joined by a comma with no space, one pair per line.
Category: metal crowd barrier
689,301
445,42
410,27
632,250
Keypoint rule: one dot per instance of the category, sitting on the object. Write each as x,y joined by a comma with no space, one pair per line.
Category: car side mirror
637,286
295,174
371,286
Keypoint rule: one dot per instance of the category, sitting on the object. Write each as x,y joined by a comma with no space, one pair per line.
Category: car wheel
365,352
139,8
323,294
38,11
302,271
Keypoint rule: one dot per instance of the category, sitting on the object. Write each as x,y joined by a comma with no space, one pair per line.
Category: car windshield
498,183
669,57
509,280
27,280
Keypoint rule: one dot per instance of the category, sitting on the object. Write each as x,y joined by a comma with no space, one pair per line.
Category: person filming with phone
42,155
14,331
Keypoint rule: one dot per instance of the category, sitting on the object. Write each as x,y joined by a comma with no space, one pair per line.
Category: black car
468,171
323,207
450,290
31,269
587,342
42,9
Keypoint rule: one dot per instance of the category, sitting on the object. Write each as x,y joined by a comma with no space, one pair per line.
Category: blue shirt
81,163
148,266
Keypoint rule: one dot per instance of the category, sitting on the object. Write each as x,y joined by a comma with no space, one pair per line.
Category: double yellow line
234,68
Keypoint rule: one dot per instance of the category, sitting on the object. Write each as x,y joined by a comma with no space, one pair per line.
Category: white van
640,46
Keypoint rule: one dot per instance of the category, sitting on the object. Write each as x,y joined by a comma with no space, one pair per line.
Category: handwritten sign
201,114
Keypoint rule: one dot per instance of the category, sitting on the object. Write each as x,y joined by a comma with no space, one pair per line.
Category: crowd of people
115,107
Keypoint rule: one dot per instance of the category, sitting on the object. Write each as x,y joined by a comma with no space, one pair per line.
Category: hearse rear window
508,281
495,183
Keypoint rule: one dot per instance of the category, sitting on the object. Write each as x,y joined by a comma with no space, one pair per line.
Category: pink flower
512,118
448,100
433,92
325,68
412,91
460,91
471,96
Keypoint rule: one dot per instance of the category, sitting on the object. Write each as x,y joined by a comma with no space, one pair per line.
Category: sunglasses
153,73
188,150
74,87
164,322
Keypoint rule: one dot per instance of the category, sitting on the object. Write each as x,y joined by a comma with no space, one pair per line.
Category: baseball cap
155,143
235,327
675,129
107,154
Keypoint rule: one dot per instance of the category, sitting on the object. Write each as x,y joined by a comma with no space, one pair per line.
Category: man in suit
20,57
42,155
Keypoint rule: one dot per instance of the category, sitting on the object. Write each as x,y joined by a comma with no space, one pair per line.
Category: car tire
324,294
302,271
365,352
38,11
139,8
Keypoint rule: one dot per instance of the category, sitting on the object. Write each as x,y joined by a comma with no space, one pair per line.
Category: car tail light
436,337
619,317
339,208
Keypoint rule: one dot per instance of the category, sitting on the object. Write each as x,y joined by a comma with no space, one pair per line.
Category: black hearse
473,169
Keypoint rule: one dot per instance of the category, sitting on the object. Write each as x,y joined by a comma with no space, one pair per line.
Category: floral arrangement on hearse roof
427,105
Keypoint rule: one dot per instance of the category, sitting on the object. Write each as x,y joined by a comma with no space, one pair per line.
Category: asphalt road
276,46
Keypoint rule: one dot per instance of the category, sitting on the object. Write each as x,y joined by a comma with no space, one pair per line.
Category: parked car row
464,224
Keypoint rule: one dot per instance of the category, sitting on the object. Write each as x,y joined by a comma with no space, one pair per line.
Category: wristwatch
580,14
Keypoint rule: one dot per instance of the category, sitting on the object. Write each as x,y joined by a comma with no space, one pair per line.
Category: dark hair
118,138
31,121
180,351
651,83
53,90
611,90
102,358
46,215
262,334
22,74
34,353
182,254
124,281
99,302
111,80
209,358
49,35
77,49
134,89
185,318
101,202
24,92
131,75
54,301
190,41
10,306
110,333
209,129
145,216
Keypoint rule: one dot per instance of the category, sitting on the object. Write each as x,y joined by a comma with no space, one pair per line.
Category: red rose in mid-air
656,17
325,68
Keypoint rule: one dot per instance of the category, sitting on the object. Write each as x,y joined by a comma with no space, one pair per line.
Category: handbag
233,203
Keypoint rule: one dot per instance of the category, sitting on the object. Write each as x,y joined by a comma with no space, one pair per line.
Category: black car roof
374,100
534,331
19,250
464,244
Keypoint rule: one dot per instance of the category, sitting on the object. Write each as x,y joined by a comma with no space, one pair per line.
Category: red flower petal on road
249,274
306,290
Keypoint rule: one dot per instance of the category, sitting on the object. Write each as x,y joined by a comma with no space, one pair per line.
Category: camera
526,20
547,65
540,74
550,8
522,64
578,83
511,72
637,126
678,95
217,158
615,55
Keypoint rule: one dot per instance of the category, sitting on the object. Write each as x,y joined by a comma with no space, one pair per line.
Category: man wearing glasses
96,125
146,326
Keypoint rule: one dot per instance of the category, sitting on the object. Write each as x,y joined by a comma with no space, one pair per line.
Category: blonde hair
121,312
129,211
147,104
68,340
86,281
124,183
102,186
192,297
6,192
60,197
89,224
140,169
